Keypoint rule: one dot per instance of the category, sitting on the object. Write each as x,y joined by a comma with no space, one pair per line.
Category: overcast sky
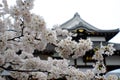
103,14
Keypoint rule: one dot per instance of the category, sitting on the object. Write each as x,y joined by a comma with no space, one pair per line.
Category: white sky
103,14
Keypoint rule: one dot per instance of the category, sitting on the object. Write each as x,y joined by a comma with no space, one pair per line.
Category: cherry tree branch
22,30
17,70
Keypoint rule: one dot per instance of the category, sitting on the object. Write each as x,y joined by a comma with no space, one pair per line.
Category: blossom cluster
67,47
108,50
81,47
99,67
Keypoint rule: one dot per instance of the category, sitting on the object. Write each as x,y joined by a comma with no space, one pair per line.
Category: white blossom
97,55
2,26
37,23
31,63
60,32
26,15
112,77
108,50
41,45
25,4
27,43
15,12
5,5
25,55
75,74
1,78
20,75
2,46
82,47
66,47
49,36
2,60
44,65
90,74
39,76
9,55
99,67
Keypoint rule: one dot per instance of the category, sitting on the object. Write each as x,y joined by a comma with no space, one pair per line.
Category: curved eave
113,30
109,34
95,30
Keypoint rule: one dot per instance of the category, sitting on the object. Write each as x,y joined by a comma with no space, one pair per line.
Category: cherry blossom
112,77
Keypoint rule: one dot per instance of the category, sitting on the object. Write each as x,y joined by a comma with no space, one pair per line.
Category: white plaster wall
113,60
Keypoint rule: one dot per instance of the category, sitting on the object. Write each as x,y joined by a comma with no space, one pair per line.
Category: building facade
85,30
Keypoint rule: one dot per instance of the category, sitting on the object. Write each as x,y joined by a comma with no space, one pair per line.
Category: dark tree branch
37,38
22,30
17,70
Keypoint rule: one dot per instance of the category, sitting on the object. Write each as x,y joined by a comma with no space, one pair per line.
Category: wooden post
75,62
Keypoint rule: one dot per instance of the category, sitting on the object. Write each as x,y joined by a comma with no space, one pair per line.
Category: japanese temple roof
90,28
78,23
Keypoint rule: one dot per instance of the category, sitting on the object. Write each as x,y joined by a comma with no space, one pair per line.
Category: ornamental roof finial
76,14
